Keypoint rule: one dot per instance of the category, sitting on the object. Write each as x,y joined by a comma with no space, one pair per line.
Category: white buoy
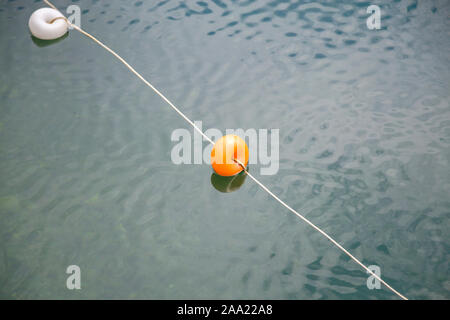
43,25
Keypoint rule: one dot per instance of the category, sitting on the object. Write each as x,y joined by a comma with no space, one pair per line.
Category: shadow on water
45,43
228,184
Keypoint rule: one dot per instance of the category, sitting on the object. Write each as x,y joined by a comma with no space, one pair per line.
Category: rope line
236,160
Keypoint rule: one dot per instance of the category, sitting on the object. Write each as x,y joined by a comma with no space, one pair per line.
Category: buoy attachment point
47,24
225,151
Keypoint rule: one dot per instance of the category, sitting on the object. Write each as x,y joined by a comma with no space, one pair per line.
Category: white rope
239,162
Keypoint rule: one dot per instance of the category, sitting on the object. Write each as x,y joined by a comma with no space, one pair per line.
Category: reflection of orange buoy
228,184
226,149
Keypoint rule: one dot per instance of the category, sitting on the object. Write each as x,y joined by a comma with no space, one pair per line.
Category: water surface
364,118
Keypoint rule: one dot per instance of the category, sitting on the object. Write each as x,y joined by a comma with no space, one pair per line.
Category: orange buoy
226,149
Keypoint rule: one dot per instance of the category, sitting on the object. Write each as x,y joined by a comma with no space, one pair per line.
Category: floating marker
225,151
47,24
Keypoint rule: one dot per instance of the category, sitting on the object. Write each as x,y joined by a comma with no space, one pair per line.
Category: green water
364,118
